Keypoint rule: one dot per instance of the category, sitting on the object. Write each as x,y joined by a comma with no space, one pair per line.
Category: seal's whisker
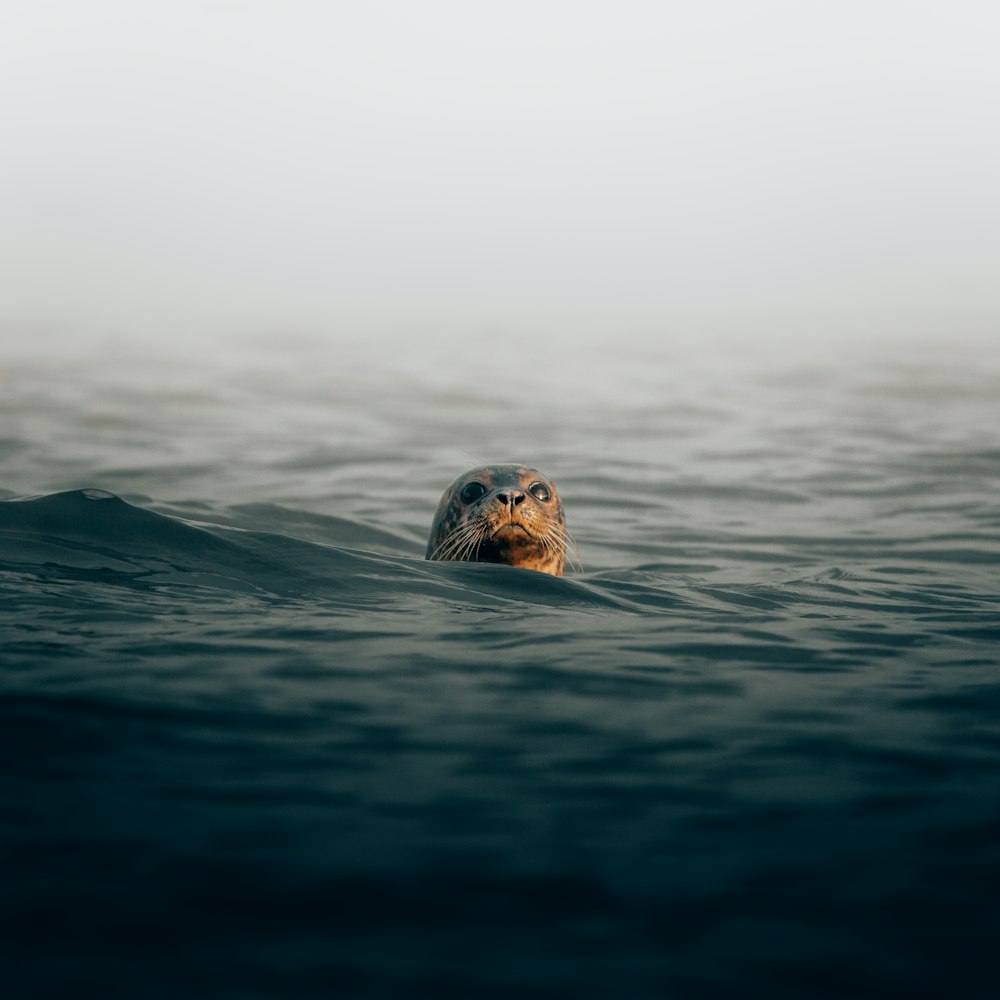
453,544
576,562
453,541
464,532
566,540
470,539
459,542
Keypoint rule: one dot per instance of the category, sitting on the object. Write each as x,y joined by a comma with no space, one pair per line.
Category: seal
501,514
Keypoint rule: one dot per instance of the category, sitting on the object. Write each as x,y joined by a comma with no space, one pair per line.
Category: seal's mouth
511,530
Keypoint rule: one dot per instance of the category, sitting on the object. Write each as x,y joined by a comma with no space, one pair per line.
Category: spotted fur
516,519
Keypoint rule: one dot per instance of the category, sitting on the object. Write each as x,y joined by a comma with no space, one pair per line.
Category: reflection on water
254,745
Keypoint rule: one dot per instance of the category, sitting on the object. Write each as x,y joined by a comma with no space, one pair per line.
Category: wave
94,535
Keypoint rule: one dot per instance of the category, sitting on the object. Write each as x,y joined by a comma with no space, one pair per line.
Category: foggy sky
577,169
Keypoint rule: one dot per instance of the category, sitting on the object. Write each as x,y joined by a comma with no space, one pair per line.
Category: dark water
254,746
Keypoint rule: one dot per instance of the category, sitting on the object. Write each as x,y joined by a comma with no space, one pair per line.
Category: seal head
501,514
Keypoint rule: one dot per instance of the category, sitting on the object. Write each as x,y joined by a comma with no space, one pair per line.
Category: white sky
359,168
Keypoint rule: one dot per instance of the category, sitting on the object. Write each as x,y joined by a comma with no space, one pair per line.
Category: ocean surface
252,745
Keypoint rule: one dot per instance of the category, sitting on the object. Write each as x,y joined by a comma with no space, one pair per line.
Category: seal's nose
511,498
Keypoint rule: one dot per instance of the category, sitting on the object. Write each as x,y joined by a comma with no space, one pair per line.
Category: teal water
253,745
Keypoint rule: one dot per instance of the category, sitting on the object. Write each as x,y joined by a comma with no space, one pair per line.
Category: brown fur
508,523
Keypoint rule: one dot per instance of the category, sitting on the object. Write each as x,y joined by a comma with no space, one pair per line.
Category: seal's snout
511,498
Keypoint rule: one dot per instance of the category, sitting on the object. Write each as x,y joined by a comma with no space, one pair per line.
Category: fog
387,171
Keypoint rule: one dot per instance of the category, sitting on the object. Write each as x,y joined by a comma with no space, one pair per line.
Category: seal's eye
473,491
540,491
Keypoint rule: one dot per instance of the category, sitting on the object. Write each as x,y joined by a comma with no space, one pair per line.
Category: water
254,746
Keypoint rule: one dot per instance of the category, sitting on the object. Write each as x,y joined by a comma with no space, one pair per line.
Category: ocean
253,745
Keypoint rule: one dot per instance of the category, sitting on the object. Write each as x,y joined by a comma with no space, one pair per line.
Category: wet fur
530,534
